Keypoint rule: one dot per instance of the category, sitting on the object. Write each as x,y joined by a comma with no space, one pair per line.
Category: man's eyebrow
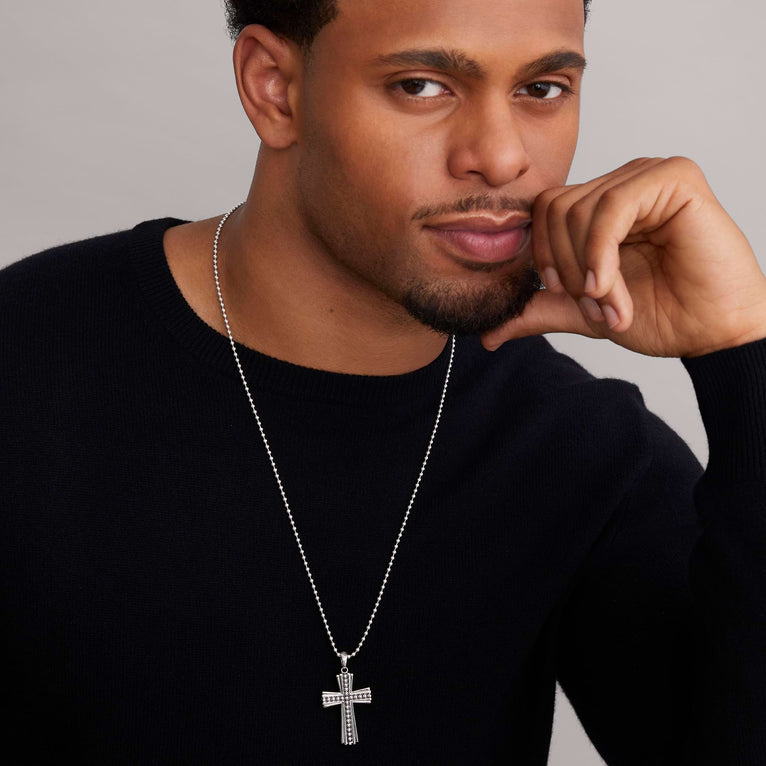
457,62
554,61
447,60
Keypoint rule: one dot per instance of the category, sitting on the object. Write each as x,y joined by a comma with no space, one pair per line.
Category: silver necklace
347,696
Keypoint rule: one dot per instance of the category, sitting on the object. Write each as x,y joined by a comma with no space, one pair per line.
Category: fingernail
590,281
591,308
550,277
612,318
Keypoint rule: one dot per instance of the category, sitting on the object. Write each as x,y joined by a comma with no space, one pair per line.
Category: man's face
390,149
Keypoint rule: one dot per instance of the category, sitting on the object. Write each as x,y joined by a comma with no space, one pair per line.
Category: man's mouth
484,239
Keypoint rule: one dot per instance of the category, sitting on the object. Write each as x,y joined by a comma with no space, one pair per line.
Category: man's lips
484,239
483,223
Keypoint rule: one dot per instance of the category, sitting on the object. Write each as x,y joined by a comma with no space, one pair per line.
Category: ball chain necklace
347,696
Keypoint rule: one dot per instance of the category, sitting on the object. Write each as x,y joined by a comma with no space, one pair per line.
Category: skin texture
330,257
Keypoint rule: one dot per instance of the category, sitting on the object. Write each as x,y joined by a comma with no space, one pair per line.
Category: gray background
113,113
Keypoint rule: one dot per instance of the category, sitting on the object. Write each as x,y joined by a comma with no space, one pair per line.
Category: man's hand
667,258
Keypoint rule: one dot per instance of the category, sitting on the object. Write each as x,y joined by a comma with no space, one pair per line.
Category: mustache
476,203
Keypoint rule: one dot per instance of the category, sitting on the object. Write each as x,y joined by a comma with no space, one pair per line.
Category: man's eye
420,87
546,91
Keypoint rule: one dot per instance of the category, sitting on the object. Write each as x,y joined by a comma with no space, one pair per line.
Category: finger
568,215
643,201
566,259
593,304
578,215
542,255
617,305
597,294
562,277
555,310
546,312
563,220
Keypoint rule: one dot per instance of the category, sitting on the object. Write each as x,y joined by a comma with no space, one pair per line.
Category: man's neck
285,300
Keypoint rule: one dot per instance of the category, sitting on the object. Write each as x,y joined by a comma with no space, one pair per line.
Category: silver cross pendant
346,698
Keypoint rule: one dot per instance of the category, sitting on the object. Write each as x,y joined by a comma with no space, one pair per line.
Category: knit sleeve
662,643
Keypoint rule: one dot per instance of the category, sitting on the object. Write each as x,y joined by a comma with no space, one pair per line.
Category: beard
446,305
454,308
339,220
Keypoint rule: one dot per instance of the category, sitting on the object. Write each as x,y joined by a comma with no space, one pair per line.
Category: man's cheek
410,171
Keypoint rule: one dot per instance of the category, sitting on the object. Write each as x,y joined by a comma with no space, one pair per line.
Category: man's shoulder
76,295
77,279
562,396
70,263
570,421
547,374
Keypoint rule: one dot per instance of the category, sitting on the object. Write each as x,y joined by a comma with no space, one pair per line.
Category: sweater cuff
730,385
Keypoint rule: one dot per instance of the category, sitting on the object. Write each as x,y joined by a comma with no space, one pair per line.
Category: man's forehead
400,15
368,30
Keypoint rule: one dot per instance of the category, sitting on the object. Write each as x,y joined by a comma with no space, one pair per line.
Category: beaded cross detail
346,698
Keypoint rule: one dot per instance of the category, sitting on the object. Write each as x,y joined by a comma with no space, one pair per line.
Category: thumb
545,312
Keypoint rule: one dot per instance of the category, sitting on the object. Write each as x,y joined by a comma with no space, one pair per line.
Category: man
269,455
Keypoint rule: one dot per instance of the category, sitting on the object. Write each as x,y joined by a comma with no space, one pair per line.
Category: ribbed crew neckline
261,370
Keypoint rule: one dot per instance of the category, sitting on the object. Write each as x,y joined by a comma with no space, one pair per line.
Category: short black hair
297,20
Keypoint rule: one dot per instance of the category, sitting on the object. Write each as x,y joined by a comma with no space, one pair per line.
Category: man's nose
489,143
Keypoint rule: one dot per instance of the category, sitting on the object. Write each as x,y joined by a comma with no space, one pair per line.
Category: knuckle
637,162
611,198
684,165
578,214
644,163
559,206
545,197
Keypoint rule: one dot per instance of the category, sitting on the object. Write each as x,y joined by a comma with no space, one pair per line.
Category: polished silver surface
347,698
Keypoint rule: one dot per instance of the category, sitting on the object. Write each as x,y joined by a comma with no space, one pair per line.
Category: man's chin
455,307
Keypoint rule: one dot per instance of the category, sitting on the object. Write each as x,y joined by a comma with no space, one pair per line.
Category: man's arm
663,641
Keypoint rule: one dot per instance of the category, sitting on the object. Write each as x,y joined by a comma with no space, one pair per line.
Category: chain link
279,480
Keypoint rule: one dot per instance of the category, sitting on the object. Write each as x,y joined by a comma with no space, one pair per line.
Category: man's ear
267,68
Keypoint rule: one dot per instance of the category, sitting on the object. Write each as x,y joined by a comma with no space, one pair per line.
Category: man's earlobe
265,66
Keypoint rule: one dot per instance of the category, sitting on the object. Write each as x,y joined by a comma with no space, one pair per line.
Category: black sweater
154,608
